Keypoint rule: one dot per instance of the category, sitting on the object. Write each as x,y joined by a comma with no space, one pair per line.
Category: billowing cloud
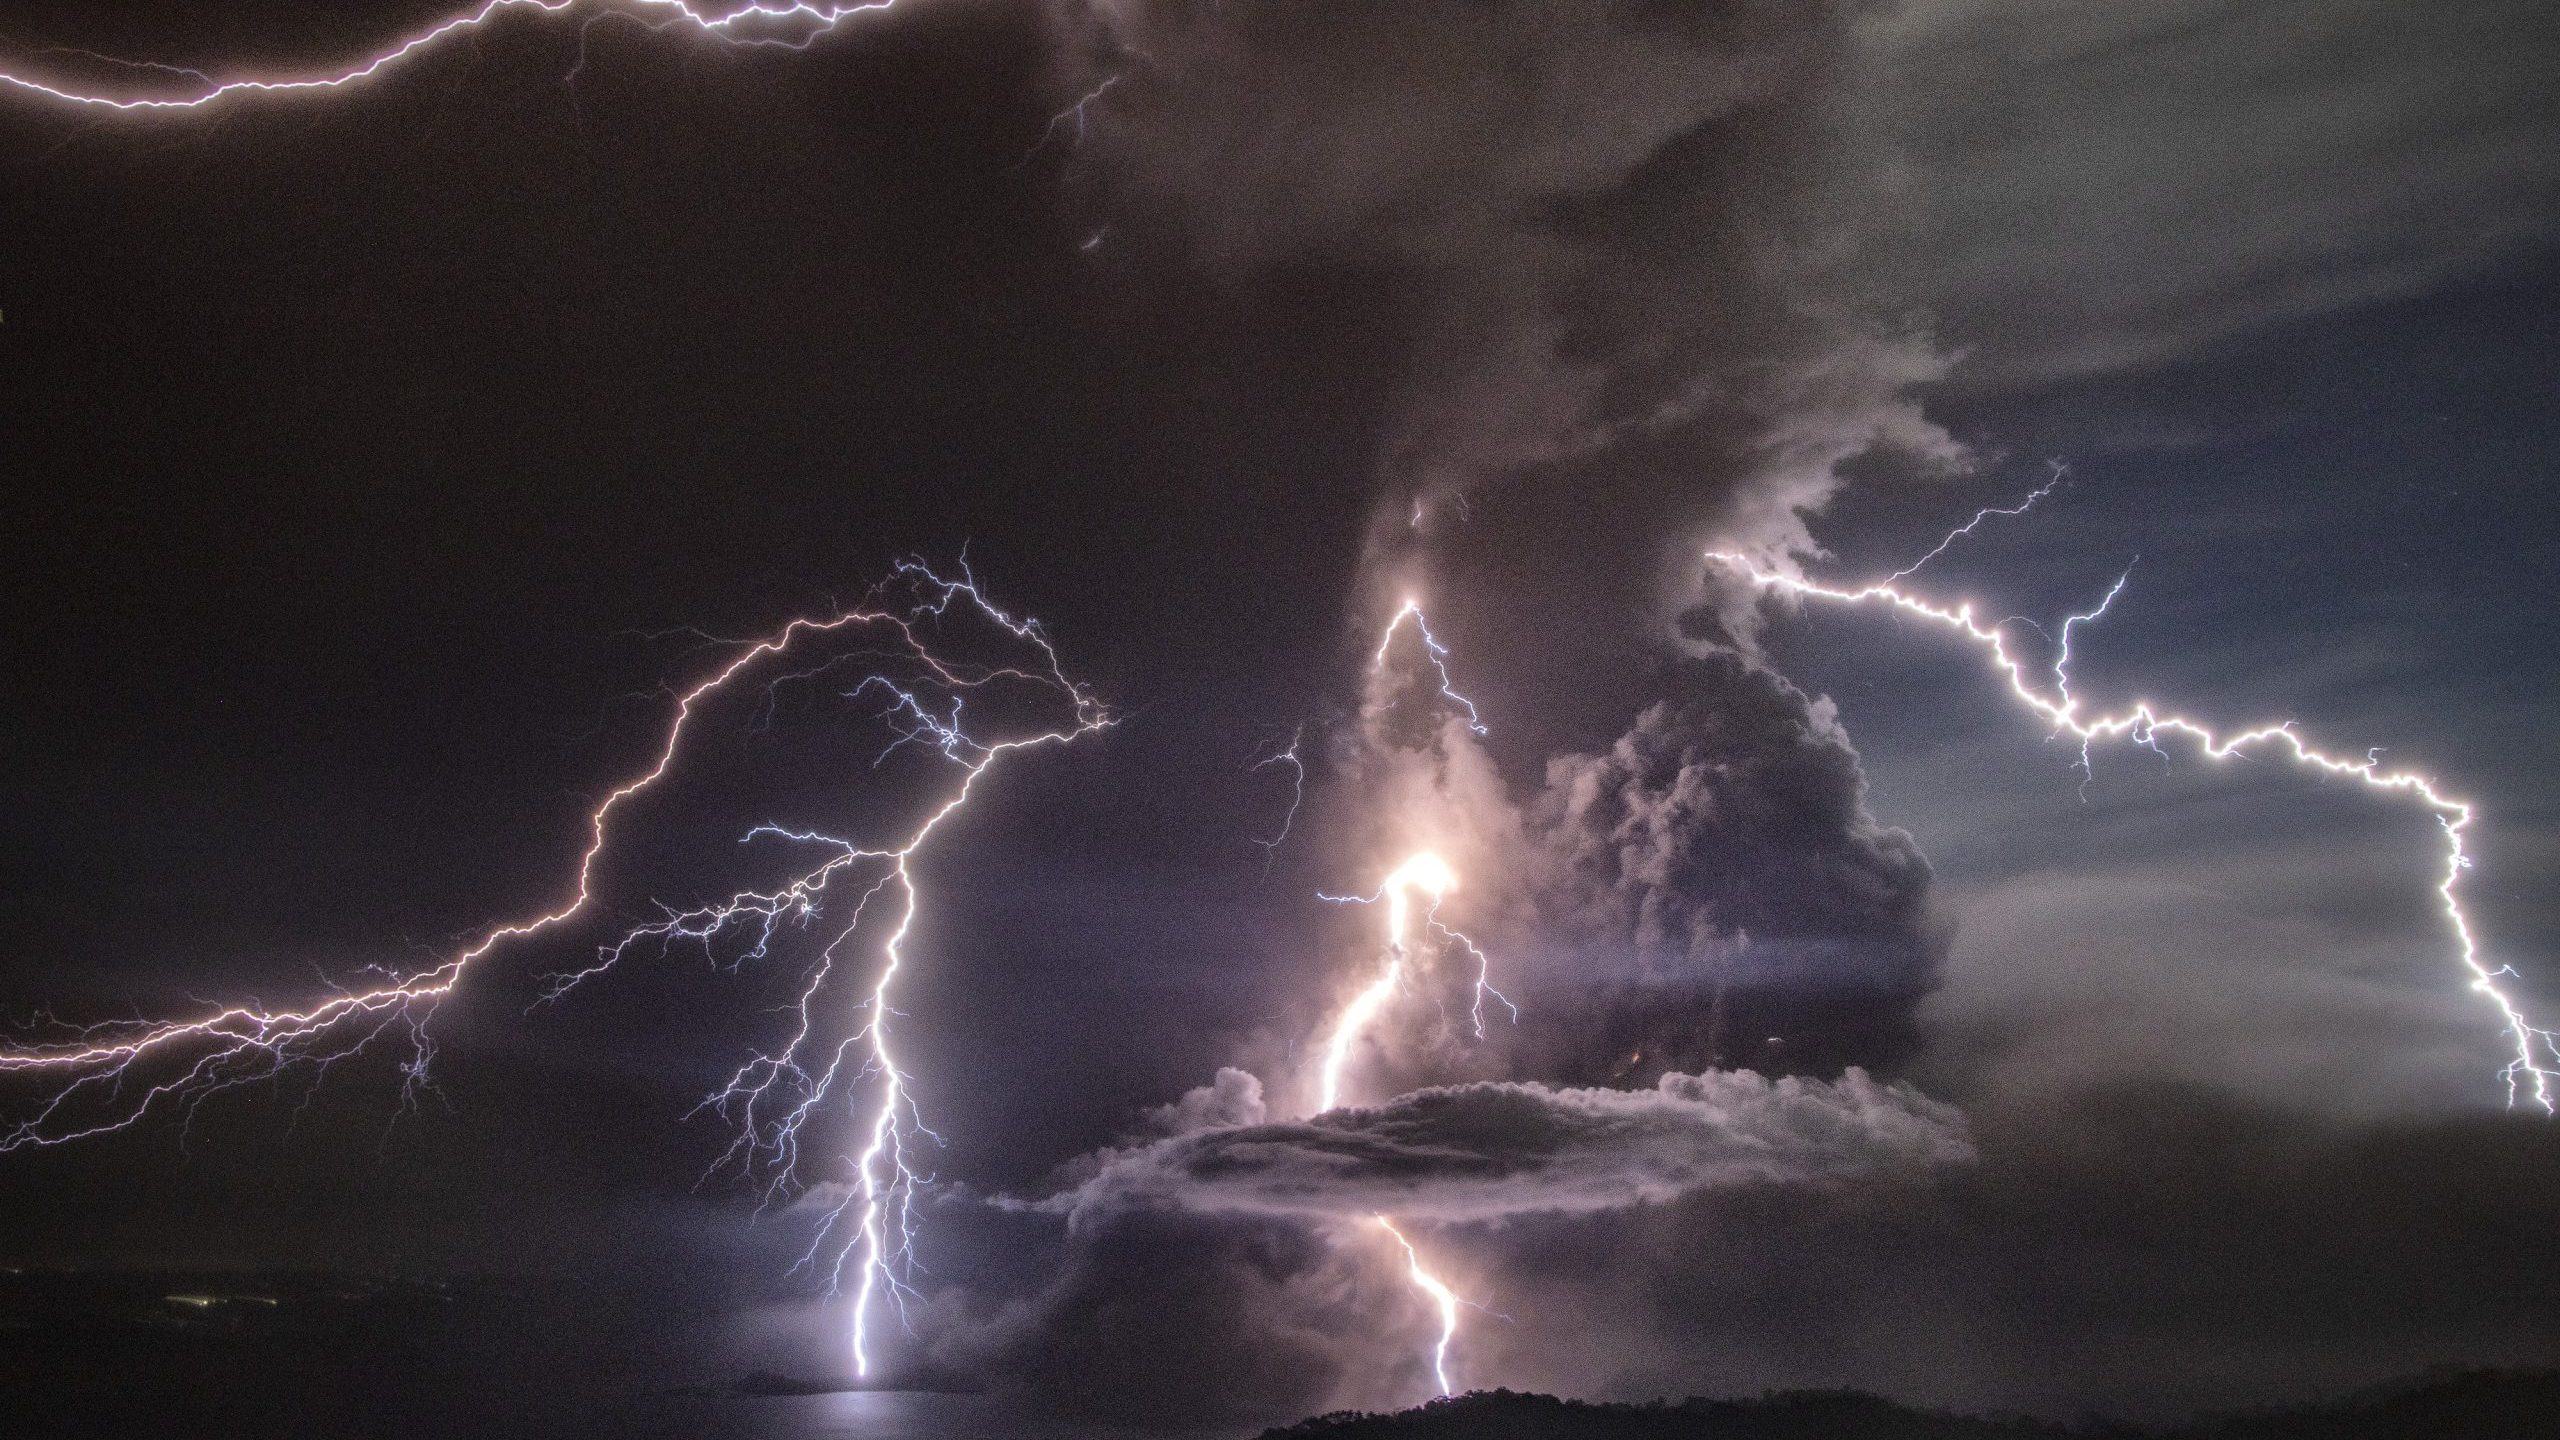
1713,880
1596,217
1494,1150
1736,806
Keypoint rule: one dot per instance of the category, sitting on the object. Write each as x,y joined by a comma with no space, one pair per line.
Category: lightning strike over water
786,24
2534,1069
108,1077
1444,1299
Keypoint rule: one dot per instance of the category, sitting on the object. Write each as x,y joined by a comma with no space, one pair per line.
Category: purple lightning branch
788,24
1263,759
108,1077
1434,651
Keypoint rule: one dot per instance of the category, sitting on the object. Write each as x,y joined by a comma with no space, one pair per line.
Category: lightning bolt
787,24
922,697
1424,874
1434,651
1427,874
2061,472
1442,1298
1432,876
2536,1049
1285,755
1074,115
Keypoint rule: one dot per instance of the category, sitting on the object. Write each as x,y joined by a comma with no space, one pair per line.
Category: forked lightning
108,1077
790,24
2530,1074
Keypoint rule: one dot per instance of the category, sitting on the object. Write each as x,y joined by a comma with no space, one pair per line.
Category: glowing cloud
1432,876
1500,1149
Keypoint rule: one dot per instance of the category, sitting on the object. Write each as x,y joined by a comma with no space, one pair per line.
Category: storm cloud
1736,806
1511,306
1597,219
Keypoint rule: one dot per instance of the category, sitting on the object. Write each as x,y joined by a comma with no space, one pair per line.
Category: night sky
372,462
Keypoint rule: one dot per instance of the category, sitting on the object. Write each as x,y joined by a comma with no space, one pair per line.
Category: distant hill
2473,1405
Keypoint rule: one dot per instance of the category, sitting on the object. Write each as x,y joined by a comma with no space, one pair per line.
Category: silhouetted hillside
2478,1405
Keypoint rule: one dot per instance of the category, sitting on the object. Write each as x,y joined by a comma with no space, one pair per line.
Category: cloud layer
2075,189
1490,1151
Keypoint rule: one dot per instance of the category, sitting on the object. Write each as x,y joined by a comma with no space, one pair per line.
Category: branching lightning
1264,759
1427,874
2530,1073
1429,877
787,24
1432,876
1432,649
1442,1298
100,1071
1074,115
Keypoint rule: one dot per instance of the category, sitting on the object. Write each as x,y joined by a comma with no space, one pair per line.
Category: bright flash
1427,873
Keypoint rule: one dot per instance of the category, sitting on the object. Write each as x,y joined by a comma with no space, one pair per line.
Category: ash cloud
1600,224
1716,869
1736,805
1709,890
1490,1151
1629,319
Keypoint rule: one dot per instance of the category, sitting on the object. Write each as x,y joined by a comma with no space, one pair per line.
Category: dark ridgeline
2470,1405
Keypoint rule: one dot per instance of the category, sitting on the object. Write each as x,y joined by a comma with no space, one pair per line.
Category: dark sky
374,459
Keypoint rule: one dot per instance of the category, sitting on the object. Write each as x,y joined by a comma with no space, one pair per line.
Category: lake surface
871,1415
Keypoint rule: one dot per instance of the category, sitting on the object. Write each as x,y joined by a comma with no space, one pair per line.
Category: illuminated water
877,1415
